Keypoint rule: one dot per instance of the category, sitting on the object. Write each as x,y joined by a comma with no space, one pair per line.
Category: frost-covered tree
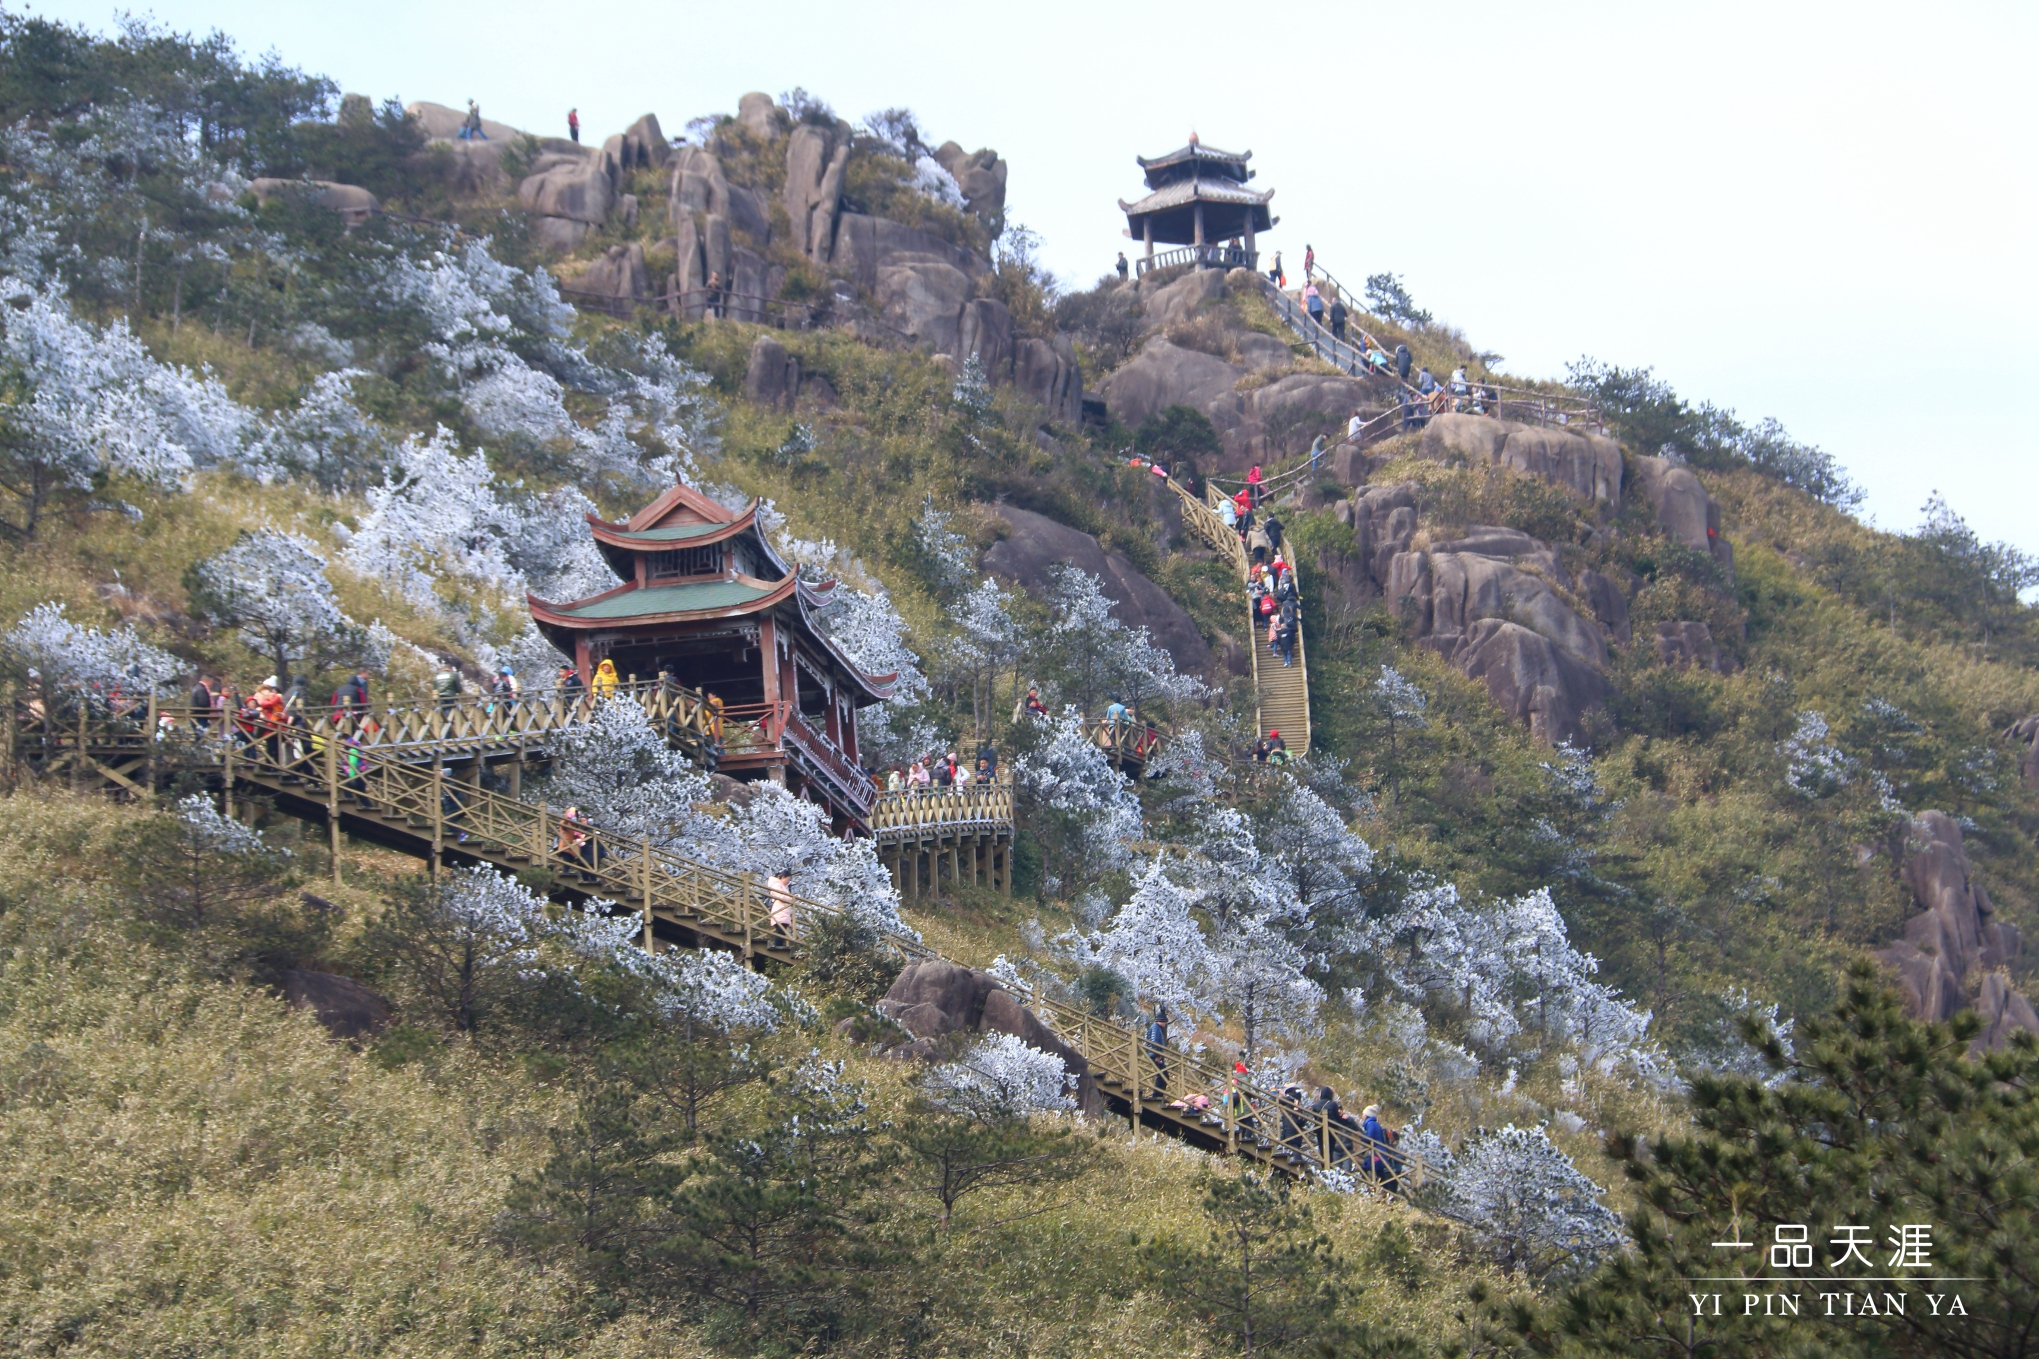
1735,1043
1401,708
1100,657
944,554
1157,944
1000,1077
1305,842
1068,776
71,657
272,586
81,403
436,512
552,549
468,950
621,775
1525,1201
986,643
326,438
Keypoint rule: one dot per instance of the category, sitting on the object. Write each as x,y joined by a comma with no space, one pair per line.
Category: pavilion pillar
1147,235
1198,217
1252,263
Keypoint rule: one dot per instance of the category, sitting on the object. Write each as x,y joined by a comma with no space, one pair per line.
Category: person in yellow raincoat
605,679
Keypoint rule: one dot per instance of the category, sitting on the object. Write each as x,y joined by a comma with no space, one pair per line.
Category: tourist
1313,302
1285,637
1034,704
202,695
504,690
1259,546
1376,357
352,694
944,776
895,781
573,125
780,888
918,779
1280,279
1277,748
1316,452
573,840
1253,484
1157,1045
1402,361
570,686
1460,390
1355,427
446,684
1229,512
470,131
269,714
1425,383
715,294
1337,318
1309,260
1114,715
1122,266
983,770
1272,527
1491,397
606,679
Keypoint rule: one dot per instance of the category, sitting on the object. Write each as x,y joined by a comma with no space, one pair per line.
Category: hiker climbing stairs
1282,692
422,796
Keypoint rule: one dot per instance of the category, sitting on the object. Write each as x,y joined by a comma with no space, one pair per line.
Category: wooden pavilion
1197,195
706,601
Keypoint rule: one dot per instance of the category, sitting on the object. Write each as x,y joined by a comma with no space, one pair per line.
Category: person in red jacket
573,125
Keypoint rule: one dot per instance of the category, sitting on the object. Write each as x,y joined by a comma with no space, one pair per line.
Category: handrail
1207,255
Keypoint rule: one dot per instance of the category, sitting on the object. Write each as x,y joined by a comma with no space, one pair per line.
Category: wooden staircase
1282,692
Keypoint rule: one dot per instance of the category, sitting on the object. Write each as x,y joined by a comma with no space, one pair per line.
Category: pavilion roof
1194,151
1184,192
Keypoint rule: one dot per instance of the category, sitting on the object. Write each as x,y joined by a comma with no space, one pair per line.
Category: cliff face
1955,955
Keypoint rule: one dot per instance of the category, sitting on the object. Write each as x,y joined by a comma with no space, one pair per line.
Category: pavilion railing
1202,256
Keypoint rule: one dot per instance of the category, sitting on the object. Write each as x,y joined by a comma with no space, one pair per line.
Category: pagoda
706,602
1197,196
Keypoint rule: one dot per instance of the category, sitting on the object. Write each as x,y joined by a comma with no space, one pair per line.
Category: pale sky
1823,213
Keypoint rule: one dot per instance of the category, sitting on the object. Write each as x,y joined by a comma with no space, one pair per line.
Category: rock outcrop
1165,374
816,159
619,273
354,204
2025,732
760,115
644,145
568,195
346,1007
1688,514
1958,934
1687,644
1046,372
980,174
772,378
440,123
930,1000
1035,542
1589,464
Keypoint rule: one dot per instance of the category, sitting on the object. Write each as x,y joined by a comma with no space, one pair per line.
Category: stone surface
1045,371
465,167
760,115
985,331
619,272
1589,464
980,174
773,375
1608,602
816,159
1956,934
864,245
1176,300
1688,644
559,234
346,1007
932,999
1688,514
644,145
440,123
698,184
1163,375
1383,521
1262,352
1442,594
354,204
578,191
1036,542
1535,682
923,297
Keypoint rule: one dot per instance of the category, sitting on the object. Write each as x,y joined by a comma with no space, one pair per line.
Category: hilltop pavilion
1197,196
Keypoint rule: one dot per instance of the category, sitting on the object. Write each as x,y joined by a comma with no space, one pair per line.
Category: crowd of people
1270,581
944,770
1362,1145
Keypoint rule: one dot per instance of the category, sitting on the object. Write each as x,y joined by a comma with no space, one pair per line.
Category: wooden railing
1203,256
1128,740
916,813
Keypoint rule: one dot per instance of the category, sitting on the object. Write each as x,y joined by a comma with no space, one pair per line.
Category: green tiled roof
673,533
708,594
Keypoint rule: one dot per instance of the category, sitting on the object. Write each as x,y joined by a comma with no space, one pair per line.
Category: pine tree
1261,1281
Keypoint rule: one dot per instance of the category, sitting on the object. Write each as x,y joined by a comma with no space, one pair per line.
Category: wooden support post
1134,1096
333,798
438,812
150,736
956,863
517,771
644,884
226,762
78,755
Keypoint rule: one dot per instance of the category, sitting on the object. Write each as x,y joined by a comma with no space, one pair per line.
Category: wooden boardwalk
419,793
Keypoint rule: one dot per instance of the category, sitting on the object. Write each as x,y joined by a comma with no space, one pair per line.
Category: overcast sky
1823,213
